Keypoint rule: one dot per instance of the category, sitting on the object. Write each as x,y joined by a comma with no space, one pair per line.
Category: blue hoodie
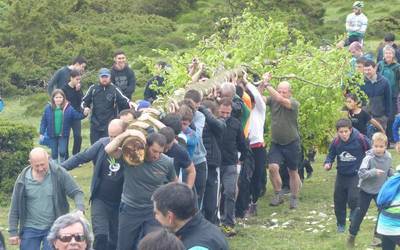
349,154
69,115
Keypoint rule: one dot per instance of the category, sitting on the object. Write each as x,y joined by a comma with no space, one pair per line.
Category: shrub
16,141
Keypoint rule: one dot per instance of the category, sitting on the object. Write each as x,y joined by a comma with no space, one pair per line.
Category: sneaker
309,175
376,242
277,200
351,241
293,202
341,228
228,231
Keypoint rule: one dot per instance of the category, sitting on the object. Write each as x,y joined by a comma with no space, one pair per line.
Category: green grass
311,226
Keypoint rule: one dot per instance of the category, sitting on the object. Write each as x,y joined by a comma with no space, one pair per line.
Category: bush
16,141
379,27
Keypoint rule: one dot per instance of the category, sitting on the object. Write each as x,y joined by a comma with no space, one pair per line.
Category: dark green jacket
63,185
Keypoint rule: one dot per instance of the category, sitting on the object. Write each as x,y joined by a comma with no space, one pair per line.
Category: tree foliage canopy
261,45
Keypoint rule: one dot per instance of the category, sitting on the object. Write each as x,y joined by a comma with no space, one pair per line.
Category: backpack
361,138
389,72
388,192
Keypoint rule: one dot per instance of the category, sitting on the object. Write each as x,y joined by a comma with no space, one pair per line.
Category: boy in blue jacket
349,147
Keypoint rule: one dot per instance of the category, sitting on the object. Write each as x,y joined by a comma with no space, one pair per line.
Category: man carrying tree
285,145
62,76
136,217
106,187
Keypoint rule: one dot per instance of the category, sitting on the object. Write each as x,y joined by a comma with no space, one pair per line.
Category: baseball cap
104,72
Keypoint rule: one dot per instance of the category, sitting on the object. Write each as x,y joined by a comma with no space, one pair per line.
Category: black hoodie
124,79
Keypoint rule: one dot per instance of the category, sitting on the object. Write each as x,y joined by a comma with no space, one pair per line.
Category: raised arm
286,102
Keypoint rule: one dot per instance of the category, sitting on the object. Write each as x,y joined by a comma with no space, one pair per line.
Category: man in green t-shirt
285,139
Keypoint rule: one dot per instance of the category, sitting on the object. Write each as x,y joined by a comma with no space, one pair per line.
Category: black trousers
210,201
95,134
258,180
200,182
346,194
361,211
105,224
390,242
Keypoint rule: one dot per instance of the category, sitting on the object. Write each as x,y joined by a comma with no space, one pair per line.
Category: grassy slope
315,211
337,10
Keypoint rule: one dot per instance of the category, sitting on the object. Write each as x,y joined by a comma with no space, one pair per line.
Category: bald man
106,187
285,140
39,198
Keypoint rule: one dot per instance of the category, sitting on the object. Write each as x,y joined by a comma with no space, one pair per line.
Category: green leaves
264,45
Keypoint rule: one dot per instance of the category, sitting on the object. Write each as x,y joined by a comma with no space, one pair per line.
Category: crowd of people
205,162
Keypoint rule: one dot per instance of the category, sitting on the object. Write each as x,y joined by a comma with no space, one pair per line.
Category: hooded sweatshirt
124,79
349,153
370,182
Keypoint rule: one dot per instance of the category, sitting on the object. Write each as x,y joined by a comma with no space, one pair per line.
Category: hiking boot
252,210
285,190
341,228
276,200
351,241
293,202
228,231
376,242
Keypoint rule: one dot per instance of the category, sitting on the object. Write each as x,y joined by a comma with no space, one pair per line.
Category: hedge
16,141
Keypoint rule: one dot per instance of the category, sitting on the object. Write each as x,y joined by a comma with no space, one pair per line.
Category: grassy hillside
380,17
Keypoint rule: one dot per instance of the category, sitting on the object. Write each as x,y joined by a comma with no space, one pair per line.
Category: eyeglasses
68,238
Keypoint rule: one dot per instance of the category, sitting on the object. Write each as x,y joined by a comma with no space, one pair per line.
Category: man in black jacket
212,133
150,91
103,100
62,76
175,209
232,142
122,75
106,187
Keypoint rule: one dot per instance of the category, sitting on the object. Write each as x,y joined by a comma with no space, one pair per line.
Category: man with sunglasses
70,231
39,198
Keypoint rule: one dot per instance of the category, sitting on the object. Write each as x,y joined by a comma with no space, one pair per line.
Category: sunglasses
68,238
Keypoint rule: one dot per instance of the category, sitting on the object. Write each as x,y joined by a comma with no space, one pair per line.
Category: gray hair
390,48
228,89
68,220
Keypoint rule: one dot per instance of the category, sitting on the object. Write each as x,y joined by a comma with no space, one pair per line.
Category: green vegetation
37,37
15,143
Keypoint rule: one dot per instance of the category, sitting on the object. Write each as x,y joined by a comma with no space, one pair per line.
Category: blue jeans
59,147
229,181
31,239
